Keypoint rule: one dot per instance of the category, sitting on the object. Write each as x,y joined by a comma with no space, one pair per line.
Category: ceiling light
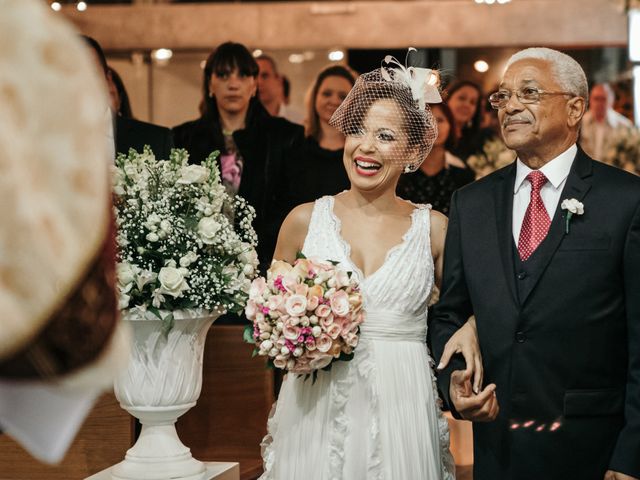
481,66
296,58
257,52
81,6
162,54
56,7
336,55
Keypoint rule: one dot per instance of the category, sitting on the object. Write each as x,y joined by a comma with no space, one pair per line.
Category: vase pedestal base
214,471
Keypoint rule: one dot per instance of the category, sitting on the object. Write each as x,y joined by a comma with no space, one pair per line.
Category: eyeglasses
525,95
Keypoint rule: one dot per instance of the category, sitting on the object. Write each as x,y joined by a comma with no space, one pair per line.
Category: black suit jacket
267,145
565,352
130,133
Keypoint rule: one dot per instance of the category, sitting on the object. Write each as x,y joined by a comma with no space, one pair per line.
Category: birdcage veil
407,121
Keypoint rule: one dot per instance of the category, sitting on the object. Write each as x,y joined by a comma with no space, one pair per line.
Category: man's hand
482,407
611,475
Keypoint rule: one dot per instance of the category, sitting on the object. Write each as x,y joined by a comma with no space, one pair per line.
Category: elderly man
546,253
600,121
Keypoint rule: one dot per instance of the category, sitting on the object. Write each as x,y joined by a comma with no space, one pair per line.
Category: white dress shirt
556,171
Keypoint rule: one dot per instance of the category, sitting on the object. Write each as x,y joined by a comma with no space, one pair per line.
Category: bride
377,416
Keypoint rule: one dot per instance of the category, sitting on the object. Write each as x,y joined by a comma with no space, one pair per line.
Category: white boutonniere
573,207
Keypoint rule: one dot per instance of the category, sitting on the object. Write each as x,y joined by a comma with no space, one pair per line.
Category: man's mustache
509,119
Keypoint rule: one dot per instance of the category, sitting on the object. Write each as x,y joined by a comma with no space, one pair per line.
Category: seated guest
465,99
253,145
127,132
600,121
441,173
61,343
319,169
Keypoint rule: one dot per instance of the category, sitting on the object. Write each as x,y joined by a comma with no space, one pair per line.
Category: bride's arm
465,340
293,232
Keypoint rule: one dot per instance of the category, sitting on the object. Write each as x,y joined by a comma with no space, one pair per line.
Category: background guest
465,99
254,146
600,121
441,173
127,132
319,170
272,91
119,98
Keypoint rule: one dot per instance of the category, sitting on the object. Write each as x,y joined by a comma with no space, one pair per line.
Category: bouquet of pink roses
304,316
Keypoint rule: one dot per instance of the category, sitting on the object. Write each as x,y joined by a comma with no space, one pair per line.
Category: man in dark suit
546,254
128,132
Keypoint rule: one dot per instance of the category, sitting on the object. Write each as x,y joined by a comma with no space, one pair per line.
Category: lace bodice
403,283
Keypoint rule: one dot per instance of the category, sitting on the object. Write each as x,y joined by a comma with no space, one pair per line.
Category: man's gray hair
567,72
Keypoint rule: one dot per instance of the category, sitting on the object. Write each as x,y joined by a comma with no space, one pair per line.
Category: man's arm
626,455
454,306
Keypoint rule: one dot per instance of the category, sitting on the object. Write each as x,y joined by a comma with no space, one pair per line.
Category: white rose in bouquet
172,281
193,174
208,228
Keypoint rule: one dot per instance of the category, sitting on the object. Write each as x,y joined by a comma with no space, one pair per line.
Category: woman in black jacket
254,146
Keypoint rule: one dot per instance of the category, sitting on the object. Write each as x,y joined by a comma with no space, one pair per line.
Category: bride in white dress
376,416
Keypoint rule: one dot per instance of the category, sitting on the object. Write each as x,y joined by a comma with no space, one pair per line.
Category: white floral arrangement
623,149
494,156
183,242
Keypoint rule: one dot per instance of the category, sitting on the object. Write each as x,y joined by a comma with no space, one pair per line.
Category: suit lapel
577,185
503,194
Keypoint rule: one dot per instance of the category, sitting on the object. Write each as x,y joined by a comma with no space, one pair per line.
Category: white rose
152,237
207,229
573,205
123,301
165,225
193,174
126,274
188,259
172,281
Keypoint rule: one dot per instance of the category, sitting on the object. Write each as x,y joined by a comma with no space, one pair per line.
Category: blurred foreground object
60,341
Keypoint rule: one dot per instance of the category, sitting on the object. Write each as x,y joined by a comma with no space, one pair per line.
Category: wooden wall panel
101,442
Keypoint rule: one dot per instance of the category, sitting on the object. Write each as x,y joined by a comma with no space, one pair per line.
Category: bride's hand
465,341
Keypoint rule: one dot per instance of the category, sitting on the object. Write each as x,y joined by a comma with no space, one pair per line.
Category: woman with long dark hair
441,173
318,169
465,99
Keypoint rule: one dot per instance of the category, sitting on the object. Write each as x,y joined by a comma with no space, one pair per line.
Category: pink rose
250,310
323,311
323,343
290,282
333,331
275,302
340,303
258,287
319,361
352,340
280,361
291,332
312,303
310,343
342,278
296,305
326,321
301,289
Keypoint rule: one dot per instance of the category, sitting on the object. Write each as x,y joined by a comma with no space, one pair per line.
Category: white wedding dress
376,416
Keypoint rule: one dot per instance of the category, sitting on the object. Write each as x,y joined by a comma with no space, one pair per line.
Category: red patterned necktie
536,220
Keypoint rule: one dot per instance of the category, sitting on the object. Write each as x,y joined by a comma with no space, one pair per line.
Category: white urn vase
163,381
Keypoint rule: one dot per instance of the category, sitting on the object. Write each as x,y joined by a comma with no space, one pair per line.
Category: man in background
600,121
271,91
